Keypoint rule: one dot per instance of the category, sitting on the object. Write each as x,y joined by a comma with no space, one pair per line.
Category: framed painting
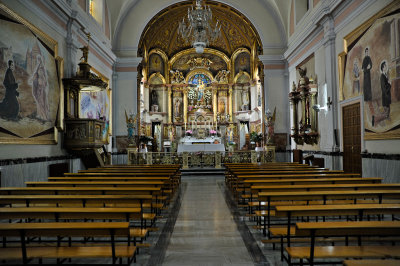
31,89
369,68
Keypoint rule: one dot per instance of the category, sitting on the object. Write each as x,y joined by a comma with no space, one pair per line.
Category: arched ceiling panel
161,32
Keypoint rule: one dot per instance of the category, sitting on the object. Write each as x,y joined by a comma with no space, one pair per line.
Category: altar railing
201,159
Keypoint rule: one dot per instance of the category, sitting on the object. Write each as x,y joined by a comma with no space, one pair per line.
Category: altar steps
196,171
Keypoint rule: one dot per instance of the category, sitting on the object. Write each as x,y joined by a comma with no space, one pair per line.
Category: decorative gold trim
352,36
53,45
163,56
206,51
199,71
43,36
239,74
234,55
158,74
341,60
348,40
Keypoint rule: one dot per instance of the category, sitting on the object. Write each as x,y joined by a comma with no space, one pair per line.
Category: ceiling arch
135,15
162,30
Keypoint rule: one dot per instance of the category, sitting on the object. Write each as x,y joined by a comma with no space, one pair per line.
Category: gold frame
199,71
163,56
349,40
53,45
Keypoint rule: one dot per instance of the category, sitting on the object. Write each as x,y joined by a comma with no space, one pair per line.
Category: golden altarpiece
200,95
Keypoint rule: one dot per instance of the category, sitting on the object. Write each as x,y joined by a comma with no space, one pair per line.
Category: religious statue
200,91
131,126
222,76
154,101
246,100
177,77
85,53
177,108
199,62
270,122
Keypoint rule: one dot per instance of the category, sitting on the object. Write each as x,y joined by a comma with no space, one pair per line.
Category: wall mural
371,71
156,64
29,89
242,63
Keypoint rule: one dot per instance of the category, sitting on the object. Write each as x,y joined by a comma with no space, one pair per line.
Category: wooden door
352,138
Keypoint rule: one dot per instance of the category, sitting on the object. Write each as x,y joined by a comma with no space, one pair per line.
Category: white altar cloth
190,140
201,148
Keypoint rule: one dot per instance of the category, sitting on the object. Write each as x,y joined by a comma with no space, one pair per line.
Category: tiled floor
205,232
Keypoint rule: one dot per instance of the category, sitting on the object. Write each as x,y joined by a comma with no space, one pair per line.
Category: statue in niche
270,122
177,108
221,106
246,100
154,101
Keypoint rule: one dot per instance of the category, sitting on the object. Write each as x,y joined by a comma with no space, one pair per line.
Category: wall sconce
318,108
329,103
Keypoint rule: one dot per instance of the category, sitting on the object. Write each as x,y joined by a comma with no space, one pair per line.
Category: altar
209,144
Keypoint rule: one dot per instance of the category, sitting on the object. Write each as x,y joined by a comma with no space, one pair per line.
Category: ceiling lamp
198,30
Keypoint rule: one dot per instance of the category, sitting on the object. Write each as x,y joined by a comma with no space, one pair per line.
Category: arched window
196,78
96,10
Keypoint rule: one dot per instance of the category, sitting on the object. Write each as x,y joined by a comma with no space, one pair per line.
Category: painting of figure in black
9,107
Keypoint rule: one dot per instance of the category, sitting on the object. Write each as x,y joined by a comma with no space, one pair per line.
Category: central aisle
205,232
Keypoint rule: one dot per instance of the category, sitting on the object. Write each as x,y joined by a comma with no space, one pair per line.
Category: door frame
345,103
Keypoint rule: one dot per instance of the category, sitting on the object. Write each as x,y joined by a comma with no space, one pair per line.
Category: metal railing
201,159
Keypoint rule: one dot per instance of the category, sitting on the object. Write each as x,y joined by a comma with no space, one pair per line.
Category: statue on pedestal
270,122
131,126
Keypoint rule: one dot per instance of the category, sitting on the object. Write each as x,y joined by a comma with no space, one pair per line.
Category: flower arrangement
213,132
189,132
254,137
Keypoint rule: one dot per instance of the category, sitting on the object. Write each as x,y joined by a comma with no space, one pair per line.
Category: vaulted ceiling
162,31
154,23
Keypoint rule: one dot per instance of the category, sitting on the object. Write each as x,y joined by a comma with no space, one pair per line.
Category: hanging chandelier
198,30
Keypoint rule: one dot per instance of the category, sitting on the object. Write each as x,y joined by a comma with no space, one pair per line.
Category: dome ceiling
162,30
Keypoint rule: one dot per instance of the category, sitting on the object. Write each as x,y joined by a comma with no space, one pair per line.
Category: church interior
200,132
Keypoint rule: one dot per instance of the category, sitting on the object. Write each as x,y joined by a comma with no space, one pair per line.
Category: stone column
72,45
331,89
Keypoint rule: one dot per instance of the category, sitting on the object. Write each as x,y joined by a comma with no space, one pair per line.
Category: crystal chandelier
198,31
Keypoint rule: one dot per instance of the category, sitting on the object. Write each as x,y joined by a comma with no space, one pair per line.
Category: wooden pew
57,213
355,210
109,178
27,253
238,185
344,229
95,183
382,262
324,196
80,190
